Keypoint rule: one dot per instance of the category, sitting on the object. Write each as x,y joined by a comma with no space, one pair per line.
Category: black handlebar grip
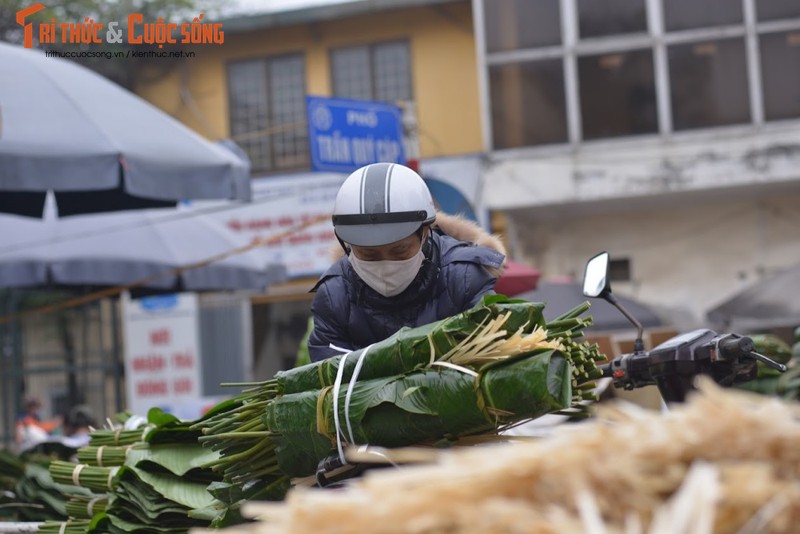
735,347
606,368
330,463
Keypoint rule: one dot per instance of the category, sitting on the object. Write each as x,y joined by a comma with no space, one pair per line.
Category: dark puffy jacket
351,315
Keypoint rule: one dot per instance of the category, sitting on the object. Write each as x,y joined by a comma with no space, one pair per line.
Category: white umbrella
99,147
126,247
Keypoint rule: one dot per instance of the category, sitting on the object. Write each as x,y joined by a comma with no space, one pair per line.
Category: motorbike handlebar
672,366
731,347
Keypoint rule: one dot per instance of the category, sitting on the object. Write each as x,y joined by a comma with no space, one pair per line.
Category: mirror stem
638,344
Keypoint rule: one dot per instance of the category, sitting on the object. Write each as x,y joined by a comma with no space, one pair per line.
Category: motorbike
673,365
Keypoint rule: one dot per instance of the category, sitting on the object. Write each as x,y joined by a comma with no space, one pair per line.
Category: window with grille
267,111
619,270
526,96
569,71
709,83
380,71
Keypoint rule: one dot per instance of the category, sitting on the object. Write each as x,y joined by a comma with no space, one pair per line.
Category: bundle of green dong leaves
475,373
145,479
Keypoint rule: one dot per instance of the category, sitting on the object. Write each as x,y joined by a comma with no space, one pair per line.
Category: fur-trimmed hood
460,228
464,229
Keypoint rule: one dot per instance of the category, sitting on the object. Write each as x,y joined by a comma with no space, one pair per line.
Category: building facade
664,131
252,89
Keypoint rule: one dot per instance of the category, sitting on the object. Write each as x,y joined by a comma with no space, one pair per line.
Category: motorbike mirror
595,278
596,284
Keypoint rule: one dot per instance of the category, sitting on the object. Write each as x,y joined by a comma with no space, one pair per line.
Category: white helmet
380,204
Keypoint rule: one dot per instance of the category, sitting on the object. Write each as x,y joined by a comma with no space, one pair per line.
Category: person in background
78,424
31,429
404,264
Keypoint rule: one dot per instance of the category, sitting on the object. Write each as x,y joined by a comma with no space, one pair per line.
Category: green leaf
159,417
221,407
176,458
189,494
410,390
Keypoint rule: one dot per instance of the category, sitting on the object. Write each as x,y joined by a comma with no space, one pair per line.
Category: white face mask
388,277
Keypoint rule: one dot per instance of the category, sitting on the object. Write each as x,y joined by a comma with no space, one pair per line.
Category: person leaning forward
404,264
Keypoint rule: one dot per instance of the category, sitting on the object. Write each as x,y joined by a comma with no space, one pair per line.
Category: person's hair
80,416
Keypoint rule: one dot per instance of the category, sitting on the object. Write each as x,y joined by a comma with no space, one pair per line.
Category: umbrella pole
14,345
68,345
6,376
115,344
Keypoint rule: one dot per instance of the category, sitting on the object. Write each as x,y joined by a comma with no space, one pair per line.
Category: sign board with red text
162,354
296,210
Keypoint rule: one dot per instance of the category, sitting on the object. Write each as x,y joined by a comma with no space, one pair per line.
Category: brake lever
733,346
768,362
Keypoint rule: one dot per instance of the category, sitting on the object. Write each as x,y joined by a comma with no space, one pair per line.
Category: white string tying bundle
460,368
90,505
111,473
99,455
349,394
76,474
337,384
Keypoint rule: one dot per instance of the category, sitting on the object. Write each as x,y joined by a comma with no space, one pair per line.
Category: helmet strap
425,244
343,244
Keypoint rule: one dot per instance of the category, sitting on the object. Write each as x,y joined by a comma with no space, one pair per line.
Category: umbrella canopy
449,199
516,279
561,297
772,301
97,146
121,248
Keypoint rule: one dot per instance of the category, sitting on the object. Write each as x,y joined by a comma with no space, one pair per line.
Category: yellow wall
443,71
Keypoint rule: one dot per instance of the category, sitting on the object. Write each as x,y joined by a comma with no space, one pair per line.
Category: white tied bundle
726,461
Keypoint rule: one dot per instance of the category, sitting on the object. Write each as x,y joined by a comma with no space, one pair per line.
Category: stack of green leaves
475,373
150,479
27,491
44,497
12,468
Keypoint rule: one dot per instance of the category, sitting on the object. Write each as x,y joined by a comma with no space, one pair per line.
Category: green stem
574,312
270,382
248,454
249,476
236,435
